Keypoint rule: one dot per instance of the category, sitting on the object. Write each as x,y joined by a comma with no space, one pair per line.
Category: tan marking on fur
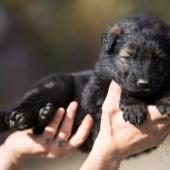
115,29
156,52
121,63
123,53
126,52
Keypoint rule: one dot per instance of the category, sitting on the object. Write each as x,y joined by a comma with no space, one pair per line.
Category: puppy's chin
142,92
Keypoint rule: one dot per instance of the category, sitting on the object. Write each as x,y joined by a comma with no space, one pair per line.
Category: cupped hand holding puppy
118,140
55,142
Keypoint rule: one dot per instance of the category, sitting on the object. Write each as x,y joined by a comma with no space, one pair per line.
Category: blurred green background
42,36
38,37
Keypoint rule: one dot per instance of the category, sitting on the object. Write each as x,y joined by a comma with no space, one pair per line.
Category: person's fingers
112,99
67,124
51,130
155,115
82,132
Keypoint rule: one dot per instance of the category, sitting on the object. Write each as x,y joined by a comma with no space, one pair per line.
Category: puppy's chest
152,99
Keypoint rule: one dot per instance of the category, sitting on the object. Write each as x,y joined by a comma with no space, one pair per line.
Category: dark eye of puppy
127,52
128,58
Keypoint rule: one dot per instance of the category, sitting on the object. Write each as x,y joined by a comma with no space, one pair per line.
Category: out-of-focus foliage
62,35
69,28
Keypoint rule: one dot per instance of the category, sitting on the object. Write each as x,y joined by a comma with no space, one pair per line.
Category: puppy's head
139,62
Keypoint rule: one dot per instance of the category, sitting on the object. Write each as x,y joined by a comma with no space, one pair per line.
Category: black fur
135,53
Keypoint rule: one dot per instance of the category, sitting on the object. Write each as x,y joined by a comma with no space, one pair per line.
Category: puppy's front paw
163,107
18,120
135,114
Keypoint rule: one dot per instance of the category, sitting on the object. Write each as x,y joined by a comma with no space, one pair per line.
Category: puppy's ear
109,39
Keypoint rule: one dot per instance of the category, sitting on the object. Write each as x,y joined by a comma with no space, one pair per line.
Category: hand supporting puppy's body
116,140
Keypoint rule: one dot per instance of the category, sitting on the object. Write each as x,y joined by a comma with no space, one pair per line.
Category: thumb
112,100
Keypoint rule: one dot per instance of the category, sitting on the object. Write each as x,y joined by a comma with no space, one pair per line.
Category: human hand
56,140
118,140
126,138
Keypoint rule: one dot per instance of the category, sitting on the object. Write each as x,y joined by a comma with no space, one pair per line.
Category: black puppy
135,53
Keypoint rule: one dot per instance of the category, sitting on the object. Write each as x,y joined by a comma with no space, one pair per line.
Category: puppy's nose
143,83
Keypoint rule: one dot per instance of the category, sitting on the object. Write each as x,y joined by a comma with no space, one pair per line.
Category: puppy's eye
128,58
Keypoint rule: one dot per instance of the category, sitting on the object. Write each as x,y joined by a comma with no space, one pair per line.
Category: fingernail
74,104
89,118
60,111
115,84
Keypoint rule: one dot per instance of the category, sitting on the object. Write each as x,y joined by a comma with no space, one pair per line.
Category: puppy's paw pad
17,120
46,111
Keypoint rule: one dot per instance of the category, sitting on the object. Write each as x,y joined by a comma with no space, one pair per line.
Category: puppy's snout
143,83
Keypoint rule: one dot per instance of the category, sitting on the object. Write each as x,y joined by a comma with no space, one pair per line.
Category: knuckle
50,130
64,135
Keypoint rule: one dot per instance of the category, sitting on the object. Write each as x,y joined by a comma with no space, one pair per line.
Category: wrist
10,160
102,157
107,148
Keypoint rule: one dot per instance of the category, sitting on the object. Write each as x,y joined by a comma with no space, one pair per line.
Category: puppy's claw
134,114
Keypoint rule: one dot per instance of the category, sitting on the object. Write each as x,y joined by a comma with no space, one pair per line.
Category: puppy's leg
134,110
39,104
163,105
92,99
3,124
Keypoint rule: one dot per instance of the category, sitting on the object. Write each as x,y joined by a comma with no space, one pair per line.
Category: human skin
55,142
118,140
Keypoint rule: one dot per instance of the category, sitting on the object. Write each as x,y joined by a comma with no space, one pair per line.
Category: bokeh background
38,37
